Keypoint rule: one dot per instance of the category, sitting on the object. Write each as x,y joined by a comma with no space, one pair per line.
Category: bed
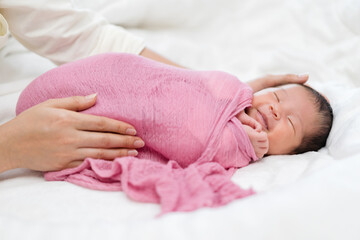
315,195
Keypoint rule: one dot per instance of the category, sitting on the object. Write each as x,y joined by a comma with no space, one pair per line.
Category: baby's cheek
272,145
279,145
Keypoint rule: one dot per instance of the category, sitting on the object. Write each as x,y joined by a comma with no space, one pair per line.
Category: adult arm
52,136
56,30
276,80
154,56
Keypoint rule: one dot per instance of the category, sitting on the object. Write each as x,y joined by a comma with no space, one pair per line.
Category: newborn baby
198,126
290,119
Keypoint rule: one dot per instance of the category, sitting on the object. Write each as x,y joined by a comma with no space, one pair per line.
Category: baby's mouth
262,119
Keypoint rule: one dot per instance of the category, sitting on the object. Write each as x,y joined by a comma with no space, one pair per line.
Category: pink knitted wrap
186,118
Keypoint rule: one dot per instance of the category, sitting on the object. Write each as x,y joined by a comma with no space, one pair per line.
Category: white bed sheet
315,195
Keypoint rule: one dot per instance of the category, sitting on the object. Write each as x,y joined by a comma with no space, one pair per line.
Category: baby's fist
259,141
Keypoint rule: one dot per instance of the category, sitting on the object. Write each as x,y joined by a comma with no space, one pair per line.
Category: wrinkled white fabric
57,30
308,196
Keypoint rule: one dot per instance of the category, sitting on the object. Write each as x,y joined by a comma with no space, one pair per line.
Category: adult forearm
154,56
256,85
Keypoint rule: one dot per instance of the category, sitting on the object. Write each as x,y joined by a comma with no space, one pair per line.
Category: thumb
75,103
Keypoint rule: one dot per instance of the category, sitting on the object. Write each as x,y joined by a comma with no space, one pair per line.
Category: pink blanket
186,118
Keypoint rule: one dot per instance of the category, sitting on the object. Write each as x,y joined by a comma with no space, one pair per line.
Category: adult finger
89,122
277,80
75,103
108,140
106,154
74,164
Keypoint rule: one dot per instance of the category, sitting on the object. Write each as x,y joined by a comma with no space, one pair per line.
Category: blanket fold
186,118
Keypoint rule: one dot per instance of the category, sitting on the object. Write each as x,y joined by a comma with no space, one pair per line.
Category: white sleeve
61,33
4,31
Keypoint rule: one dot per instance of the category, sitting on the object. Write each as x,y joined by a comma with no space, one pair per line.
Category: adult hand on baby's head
52,136
253,129
276,80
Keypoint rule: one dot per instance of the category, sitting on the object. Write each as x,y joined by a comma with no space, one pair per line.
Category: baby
291,119
198,126
286,120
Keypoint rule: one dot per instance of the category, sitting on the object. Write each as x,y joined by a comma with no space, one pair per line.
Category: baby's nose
275,112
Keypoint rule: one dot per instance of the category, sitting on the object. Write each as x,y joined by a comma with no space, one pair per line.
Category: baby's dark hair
317,139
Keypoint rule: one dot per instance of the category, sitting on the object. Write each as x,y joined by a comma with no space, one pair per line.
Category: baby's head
295,117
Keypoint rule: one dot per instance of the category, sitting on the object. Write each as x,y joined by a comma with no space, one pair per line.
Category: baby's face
286,114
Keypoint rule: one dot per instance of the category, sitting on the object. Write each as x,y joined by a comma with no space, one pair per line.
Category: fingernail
91,96
130,131
139,143
132,153
302,75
